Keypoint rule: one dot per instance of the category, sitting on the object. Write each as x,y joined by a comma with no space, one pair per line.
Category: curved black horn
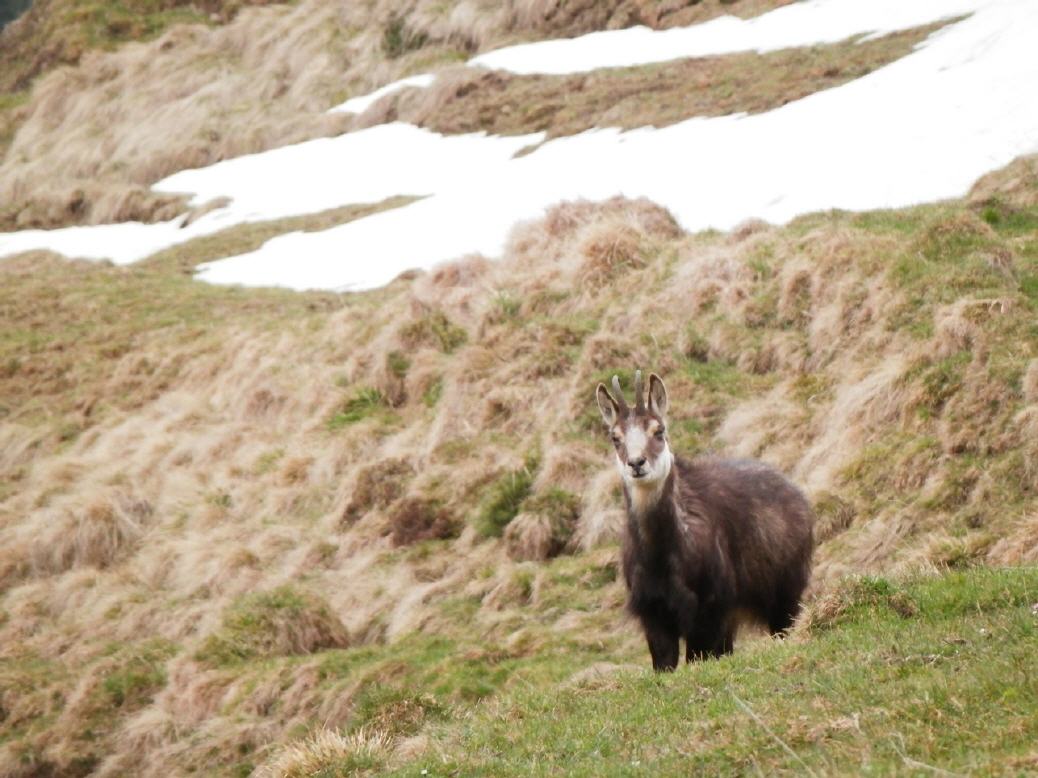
619,394
639,395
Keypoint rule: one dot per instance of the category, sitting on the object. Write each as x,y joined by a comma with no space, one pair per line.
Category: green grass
943,680
436,330
139,675
279,622
365,403
398,39
505,498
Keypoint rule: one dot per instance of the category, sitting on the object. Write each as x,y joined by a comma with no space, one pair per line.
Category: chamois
707,543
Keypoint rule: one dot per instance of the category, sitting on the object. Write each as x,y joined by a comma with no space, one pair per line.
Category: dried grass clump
432,329
1029,383
610,233
1007,189
954,332
833,515
376,486
97,535
534,537
281,622
1019,546
414,519
545,526
331,753
608,251
602,515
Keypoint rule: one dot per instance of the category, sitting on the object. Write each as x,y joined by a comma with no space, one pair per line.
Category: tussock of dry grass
281,622
363,753
171,464
414,519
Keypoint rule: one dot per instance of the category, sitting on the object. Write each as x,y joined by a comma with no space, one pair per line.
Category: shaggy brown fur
707,543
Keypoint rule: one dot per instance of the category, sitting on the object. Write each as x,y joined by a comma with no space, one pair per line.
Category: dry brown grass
169,450
53,33
362,753
414,519
468,100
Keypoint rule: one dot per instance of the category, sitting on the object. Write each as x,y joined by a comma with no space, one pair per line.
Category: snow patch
361,103
366,166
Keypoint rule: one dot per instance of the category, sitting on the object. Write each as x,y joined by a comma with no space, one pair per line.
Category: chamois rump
708,543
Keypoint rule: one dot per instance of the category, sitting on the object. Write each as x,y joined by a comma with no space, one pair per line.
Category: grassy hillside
231,518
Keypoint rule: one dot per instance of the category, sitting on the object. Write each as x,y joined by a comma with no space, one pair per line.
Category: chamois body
708,543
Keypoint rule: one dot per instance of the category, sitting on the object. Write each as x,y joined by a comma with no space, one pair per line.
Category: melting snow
363,102
362,167
918,130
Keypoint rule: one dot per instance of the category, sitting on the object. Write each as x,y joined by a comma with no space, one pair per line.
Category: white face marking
644,492
636,442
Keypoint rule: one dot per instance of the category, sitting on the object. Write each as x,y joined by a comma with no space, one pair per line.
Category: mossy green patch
280,622
505,498
436,330
364,403
139,673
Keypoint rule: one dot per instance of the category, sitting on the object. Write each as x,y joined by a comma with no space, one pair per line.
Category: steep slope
247,524
251,531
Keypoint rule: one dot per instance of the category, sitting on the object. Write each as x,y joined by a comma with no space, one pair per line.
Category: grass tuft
505,499
281,622
364,404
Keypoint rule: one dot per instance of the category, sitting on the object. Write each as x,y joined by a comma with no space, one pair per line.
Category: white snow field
918,130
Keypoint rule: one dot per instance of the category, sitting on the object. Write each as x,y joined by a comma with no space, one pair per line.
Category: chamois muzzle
637,467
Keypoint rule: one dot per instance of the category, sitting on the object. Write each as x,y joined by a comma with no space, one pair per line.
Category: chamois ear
607,405
657,396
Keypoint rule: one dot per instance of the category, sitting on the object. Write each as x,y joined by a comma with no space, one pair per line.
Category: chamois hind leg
706,641
663,645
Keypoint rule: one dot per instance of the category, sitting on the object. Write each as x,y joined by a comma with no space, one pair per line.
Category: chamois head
640,433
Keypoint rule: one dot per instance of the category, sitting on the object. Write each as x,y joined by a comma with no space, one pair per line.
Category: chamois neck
650,503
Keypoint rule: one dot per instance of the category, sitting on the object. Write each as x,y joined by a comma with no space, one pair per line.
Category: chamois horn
619,394
639,394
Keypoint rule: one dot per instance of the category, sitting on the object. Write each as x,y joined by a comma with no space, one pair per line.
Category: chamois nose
636,464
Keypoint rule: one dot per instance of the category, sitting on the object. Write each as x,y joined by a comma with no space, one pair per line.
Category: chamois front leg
663,644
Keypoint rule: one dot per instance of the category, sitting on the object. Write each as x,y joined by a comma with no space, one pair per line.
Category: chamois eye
660,433
616,440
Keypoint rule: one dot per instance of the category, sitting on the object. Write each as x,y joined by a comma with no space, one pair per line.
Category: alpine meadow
312,460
